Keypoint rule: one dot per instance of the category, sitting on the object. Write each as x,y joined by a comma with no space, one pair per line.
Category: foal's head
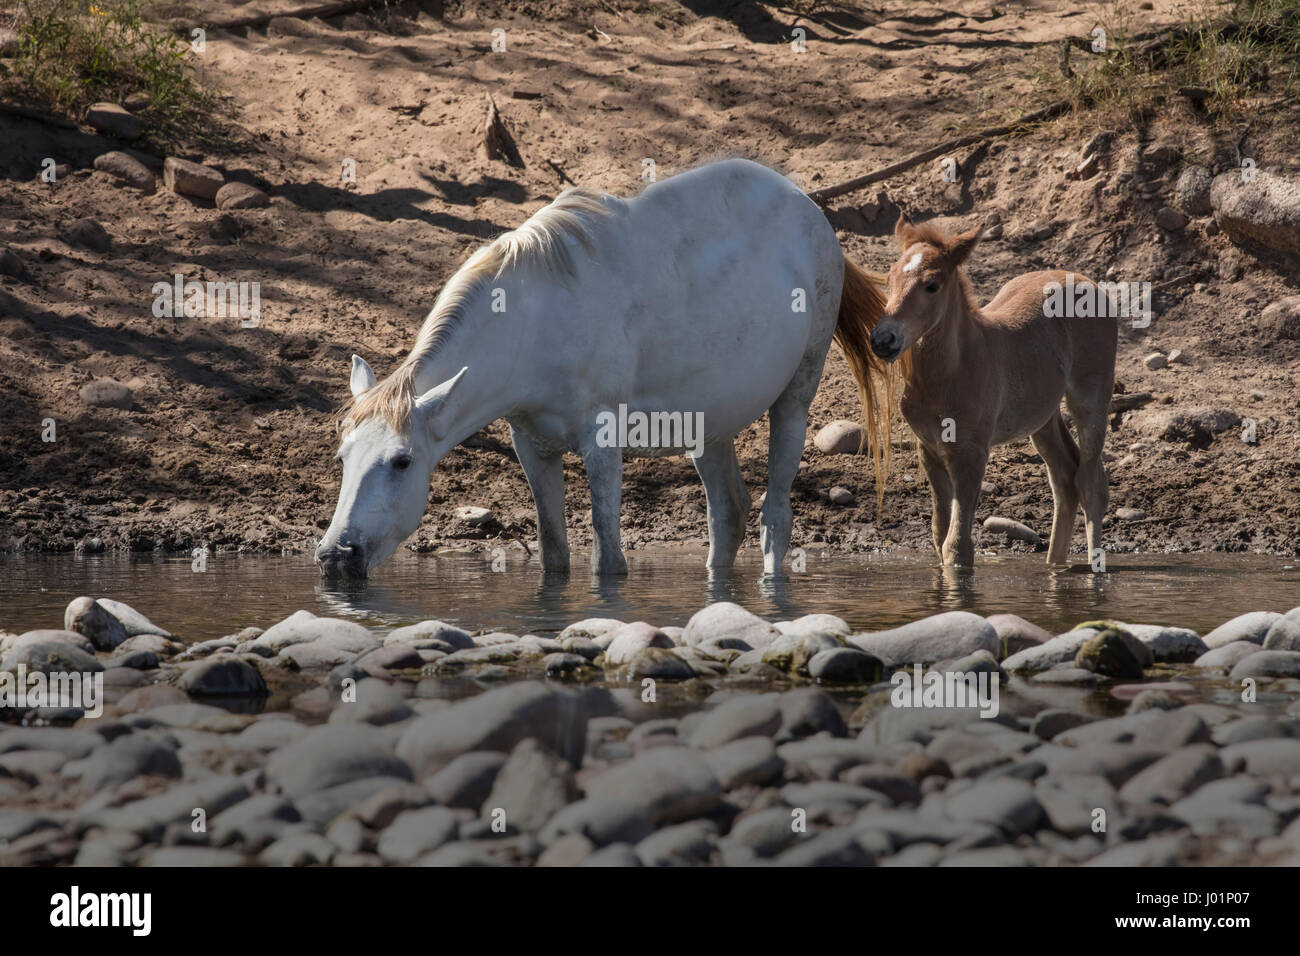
925,285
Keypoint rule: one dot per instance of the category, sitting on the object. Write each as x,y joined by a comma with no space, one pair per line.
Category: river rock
223,676
106,393
49,656
1283,635
1107,653
792,652
1004,802
430,634
725,620
944,636
467,780
1226,656
602,820
240,196
150,816
845,665
667,784
417,832
1264,758
816,624
532,786
123,759
657,663
127,170
498,720
626,642
303,627
742,716
374,702
1014,530
1268,664
591,627
133,622
1252,627
1015,634
745,762
1174,777
806,711
331,755
1168,644
1068,801
112,119
838,847
1265,210
191,179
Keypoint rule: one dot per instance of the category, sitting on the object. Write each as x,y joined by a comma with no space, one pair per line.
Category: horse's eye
401,462
932,287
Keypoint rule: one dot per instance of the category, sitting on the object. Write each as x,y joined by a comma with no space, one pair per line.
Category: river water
664,588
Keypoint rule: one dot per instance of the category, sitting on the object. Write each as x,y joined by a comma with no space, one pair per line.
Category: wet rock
1048,723
1227,656
223,676
1265,210
127,170
1174,777
106,393
375,703
124,759
792,652
392,657
845,665
497,720
1268,664
133,621
88,234
1013,530
1168,644
303,627
532,786
331,755
806,711
939,637
1015,634
240,196
729,621
418,832
841,437
112,119
658,663
630,639
316,655
742,716
191,179
667,785
1283,635
1252,627
1107,653
431,634
564,665
48,656
1192,191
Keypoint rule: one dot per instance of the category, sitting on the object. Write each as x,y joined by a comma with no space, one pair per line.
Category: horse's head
387,460
924,284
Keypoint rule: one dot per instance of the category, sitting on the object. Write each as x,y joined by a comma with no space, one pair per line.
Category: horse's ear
960,247
904,231
363,376
434,404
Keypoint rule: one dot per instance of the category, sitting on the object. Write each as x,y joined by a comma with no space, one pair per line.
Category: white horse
714,294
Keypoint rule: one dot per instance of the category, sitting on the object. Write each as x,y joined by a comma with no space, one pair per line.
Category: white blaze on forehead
913,264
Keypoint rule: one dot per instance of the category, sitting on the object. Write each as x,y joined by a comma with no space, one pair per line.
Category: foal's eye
402,462
932,287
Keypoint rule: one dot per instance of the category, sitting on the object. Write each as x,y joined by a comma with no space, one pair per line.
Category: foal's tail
862,303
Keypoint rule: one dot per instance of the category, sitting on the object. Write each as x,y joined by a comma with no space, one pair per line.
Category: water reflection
869,591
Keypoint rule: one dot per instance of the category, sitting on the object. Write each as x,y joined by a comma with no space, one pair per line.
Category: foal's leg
940,497
545,474
1089,411
727,499
787,429
966,467
1057,448
605,477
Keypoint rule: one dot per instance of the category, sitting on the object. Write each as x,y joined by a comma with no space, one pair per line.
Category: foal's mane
933,234
542,241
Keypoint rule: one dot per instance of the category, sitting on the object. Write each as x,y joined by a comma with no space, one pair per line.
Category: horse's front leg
940,498
605,477
545,474
966,468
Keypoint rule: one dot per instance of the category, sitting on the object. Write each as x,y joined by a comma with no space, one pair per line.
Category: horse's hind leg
1057,448
1089,413
787,430
545,474
727,498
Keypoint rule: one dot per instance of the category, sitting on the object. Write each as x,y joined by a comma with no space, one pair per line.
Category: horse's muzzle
342,560
886,343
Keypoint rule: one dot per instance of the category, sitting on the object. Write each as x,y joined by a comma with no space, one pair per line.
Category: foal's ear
363,376
904,231
433,405
960,247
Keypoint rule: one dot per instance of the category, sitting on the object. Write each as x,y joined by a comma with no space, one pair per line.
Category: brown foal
984,377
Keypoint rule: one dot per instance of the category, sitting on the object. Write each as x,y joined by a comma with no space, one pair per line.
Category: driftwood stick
934,152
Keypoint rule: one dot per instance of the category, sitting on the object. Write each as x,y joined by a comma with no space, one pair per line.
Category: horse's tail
862,303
